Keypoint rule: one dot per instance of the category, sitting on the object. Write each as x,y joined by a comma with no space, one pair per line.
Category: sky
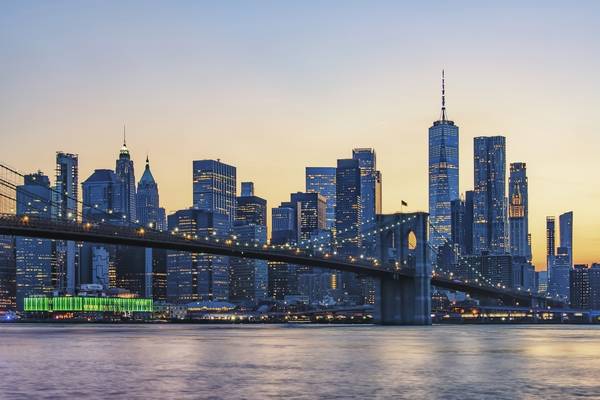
273,87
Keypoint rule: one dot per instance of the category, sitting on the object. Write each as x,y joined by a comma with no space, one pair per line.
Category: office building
194,276
312,208
284,220
34,257
443,174
518,211
251,209
558,273
347,207
8,288
214,187
126,176
370,192
248,277
490,222
566,233
149,212
65,206
322,180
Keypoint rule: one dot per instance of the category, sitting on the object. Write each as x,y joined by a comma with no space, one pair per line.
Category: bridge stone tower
401,300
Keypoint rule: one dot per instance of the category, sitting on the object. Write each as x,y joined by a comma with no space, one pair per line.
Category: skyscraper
103,197
284,220
443,174
195,276
550,236
247,189
566,233
322,180
214,187
518,212
490,222
126,175
249,278
102,194
34,257
65,207
558,274
149,212
312,213
347,207
370,192
250,209
7,274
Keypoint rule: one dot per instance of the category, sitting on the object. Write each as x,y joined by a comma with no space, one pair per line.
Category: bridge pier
404,300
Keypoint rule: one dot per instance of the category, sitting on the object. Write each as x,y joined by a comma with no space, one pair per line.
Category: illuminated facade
251,209
248,277
370,192
518,211
558,273
126,175
565,222
214,187
34,257
87,304
7,274
149,212
347,206
102,194
490,217
64,199
284,220
443,178
322,180
103,197
312,211
194,276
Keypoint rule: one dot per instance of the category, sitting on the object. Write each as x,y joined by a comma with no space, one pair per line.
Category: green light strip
91,304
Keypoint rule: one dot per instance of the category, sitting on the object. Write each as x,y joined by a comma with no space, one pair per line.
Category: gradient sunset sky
272,87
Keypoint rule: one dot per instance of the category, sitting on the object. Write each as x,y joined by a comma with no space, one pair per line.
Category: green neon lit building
89,304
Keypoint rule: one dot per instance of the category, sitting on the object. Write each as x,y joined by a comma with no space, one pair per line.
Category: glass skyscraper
312,213
102,194
126,174
284,220
149,212
65,206
370,193
103,197
250,209
196,276
347,207
518,211
214,187
490,217
322,180
443,175
565,222
34,257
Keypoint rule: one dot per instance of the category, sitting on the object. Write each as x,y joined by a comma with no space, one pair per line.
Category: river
171,361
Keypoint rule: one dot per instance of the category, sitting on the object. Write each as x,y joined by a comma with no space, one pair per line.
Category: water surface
298,362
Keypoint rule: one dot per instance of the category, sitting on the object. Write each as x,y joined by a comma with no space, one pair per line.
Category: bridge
401,267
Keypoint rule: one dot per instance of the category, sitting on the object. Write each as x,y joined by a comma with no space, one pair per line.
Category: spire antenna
443,96
124,137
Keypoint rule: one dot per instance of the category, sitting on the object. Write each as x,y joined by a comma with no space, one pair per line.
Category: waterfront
298,361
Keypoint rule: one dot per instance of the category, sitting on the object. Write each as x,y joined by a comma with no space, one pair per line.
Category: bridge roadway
126,236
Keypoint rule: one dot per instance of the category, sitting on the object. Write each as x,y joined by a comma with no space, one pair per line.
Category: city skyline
290,121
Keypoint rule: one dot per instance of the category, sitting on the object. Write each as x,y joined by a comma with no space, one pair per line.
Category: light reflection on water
298,362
